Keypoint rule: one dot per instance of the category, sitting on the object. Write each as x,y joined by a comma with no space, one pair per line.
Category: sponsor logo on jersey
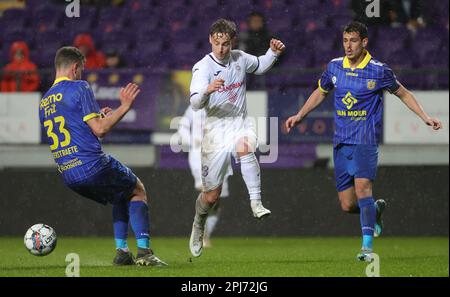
349,100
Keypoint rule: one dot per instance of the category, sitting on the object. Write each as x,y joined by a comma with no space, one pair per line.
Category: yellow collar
346,63
61,79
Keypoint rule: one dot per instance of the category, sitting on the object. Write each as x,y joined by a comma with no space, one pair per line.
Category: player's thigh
342,168
247,141
366,165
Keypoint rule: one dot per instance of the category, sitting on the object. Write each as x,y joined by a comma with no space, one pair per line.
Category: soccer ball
40,240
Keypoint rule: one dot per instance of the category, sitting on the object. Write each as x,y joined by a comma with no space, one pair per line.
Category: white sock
252,175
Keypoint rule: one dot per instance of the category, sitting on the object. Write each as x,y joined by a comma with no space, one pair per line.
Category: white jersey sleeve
251,62
259,65
199,85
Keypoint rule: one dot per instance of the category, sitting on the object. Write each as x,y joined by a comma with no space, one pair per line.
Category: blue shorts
114,184
354,161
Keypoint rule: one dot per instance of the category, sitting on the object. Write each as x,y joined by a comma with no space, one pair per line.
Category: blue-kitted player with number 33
73,123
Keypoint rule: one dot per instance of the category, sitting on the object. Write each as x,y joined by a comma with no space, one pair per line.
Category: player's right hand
292,122
215,86
435,123
128,94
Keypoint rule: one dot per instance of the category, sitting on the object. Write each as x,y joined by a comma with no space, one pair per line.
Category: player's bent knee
347,206
139,193
363,191
212,196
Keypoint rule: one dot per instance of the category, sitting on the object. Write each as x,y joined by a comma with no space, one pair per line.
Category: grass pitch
236,257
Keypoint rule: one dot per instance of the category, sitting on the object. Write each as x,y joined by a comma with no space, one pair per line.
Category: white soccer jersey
226,109
230,100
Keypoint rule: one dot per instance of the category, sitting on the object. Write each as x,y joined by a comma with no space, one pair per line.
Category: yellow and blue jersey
358,98
63,112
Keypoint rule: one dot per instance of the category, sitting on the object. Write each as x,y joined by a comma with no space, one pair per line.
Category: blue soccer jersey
358,98
63,112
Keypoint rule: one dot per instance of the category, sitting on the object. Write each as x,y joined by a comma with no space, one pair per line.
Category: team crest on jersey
349,100
238,68
334,79
371,84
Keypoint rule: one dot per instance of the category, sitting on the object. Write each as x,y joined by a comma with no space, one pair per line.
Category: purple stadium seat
51,43
111,18
144,20
297,58
435,58
43,58
137,5
429,39
400,59
122,47
414,81
324,57
280,26
151,38
15,18
17,35
311,23
339,19
323,39
42,22
4,55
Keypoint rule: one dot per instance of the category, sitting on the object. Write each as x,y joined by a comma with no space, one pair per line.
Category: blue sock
140,223
367,218
120,224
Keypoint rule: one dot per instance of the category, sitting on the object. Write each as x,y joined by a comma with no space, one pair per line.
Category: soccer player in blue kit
74,123
359,81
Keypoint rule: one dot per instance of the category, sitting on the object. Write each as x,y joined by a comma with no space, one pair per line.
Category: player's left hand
106,111
291,122
276,46
435,123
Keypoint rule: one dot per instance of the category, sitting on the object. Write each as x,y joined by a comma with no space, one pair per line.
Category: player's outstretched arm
100,126
410,100
313,101
266,61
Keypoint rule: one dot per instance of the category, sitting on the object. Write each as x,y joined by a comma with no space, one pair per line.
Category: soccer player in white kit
191,132
218,86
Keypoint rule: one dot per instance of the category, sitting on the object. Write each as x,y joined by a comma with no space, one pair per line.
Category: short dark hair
356,26
223,26
67,56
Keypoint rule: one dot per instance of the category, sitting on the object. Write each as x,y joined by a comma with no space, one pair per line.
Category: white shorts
219,144
196,170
